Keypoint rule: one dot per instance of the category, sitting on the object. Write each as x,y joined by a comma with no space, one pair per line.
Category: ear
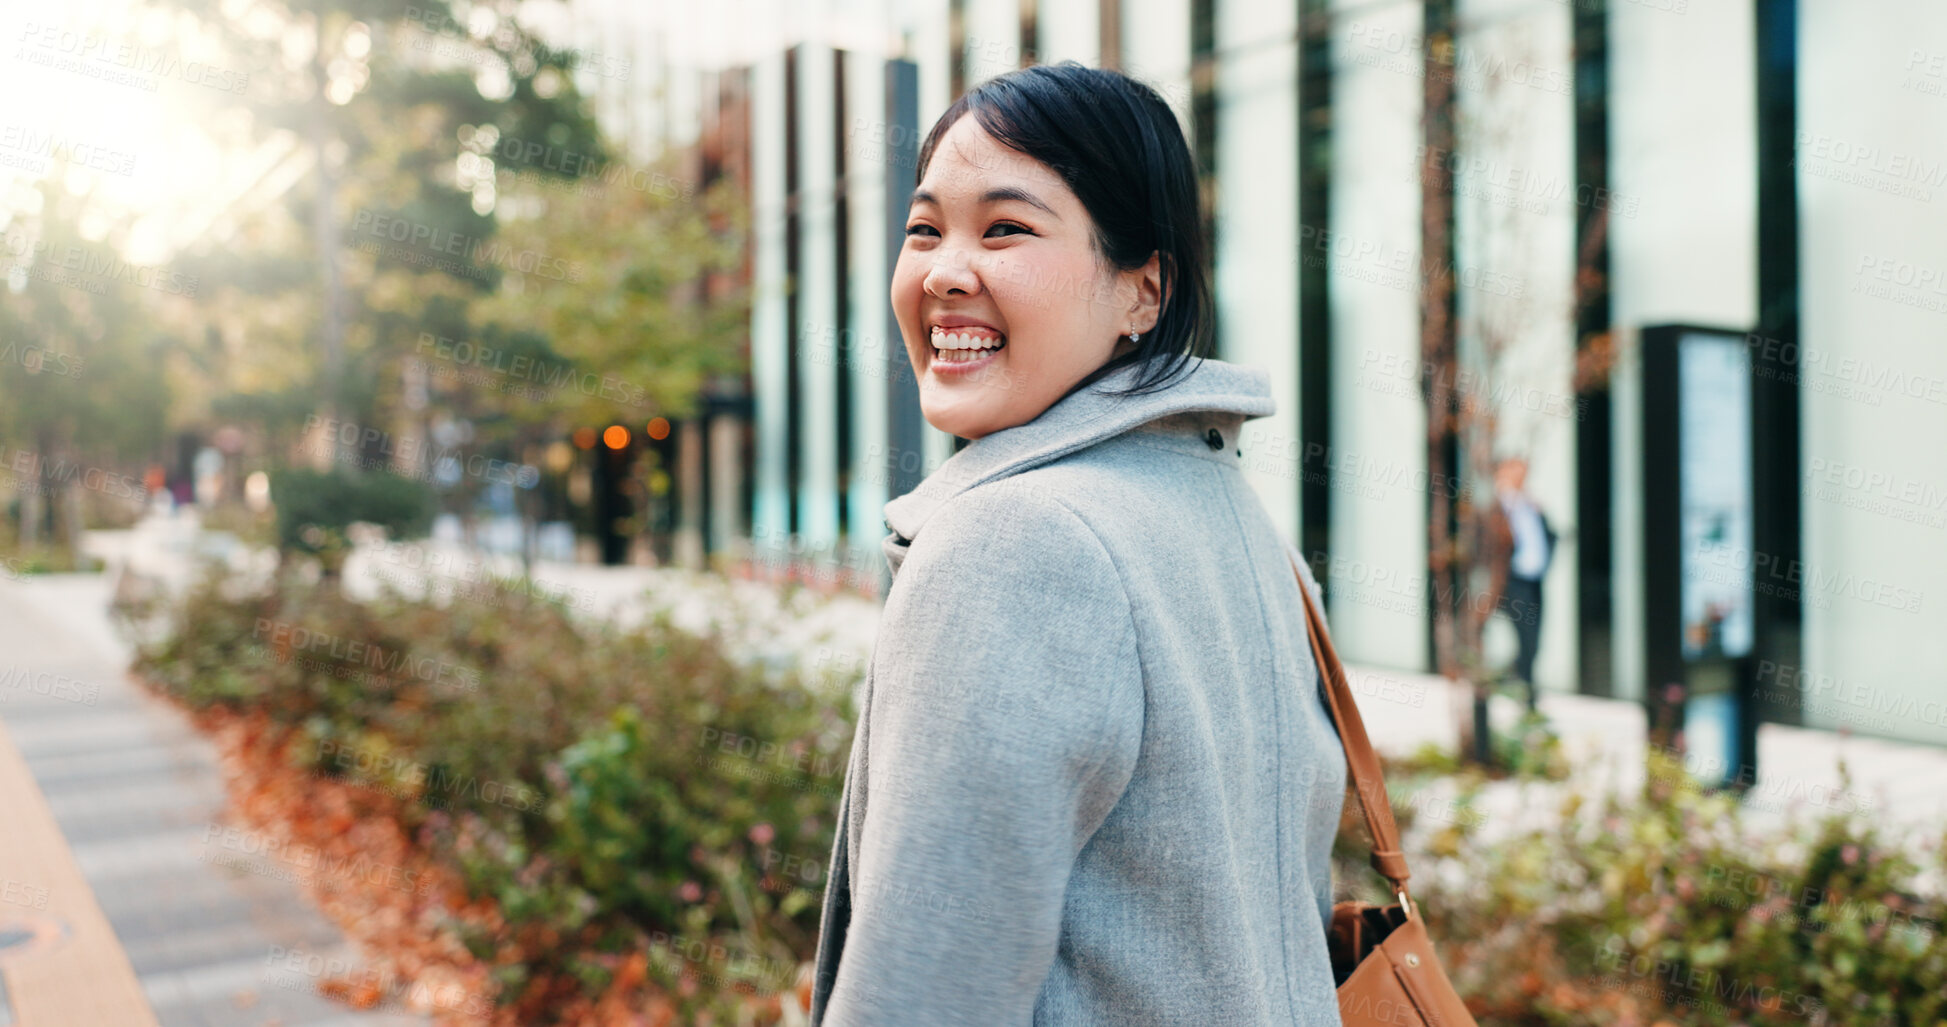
1148,280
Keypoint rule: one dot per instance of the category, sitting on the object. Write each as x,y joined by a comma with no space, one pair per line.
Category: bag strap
1360,761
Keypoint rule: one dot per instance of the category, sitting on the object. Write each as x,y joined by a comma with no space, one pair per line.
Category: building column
1068,30
1258,231
870,340
687,547
727,483
817,295
770,338
1156,50
1369,244
993,39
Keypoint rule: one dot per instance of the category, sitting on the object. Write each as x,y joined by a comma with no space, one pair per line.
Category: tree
1439,353
80,392
316,290
638,331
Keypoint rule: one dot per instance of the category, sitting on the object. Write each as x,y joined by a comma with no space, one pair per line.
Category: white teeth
945,340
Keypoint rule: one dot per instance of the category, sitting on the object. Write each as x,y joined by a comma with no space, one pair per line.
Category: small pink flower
690,891
1850,854
762,834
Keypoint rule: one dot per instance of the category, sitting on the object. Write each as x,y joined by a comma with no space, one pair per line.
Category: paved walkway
137,792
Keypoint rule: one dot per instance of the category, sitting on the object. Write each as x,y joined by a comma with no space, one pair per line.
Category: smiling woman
1040,252
1093,779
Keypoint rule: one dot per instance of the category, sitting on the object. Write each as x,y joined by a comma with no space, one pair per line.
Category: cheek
1051,298
908,281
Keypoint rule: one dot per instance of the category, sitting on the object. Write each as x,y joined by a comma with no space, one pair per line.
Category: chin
963,419
961,425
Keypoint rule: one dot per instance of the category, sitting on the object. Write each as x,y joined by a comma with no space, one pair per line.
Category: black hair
1118,146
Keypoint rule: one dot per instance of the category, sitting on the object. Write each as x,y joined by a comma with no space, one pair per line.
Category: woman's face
999,292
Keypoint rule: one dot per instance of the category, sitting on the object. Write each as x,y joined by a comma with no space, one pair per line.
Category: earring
1133,336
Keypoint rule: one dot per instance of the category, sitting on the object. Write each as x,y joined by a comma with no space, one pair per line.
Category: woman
1093,779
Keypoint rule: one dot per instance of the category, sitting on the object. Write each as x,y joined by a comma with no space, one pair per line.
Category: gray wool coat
1094,780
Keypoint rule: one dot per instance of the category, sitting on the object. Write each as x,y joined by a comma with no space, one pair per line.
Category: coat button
1215,438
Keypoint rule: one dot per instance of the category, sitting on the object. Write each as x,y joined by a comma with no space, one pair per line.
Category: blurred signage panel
1719,561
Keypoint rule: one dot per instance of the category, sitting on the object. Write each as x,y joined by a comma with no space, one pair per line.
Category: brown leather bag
1381,955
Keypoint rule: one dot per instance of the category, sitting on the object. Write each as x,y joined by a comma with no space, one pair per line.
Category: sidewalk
137,791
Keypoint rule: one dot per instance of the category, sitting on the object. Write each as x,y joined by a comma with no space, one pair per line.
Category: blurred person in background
1519,544
1093,779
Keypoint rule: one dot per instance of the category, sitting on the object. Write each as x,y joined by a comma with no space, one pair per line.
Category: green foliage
315,507
1668,907
606,787
640,241
1532,751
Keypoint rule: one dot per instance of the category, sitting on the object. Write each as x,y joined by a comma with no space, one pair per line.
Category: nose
950,273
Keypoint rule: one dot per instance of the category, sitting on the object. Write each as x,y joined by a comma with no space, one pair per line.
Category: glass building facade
1619,170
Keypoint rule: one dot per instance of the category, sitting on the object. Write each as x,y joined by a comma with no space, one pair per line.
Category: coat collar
1207,390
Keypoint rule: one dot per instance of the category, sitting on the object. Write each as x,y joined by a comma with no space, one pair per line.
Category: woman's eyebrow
994,195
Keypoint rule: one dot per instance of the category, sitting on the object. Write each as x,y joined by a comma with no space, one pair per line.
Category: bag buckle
1405,904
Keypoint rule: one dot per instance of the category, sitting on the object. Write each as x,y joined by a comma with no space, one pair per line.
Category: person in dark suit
1519,546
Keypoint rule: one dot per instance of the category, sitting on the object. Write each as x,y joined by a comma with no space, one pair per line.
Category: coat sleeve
1005,723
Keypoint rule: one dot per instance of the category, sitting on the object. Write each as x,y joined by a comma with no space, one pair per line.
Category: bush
610,790
1666,907
315,507
643,794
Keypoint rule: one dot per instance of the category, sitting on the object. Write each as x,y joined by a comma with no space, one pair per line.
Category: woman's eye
1009,224
916,229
